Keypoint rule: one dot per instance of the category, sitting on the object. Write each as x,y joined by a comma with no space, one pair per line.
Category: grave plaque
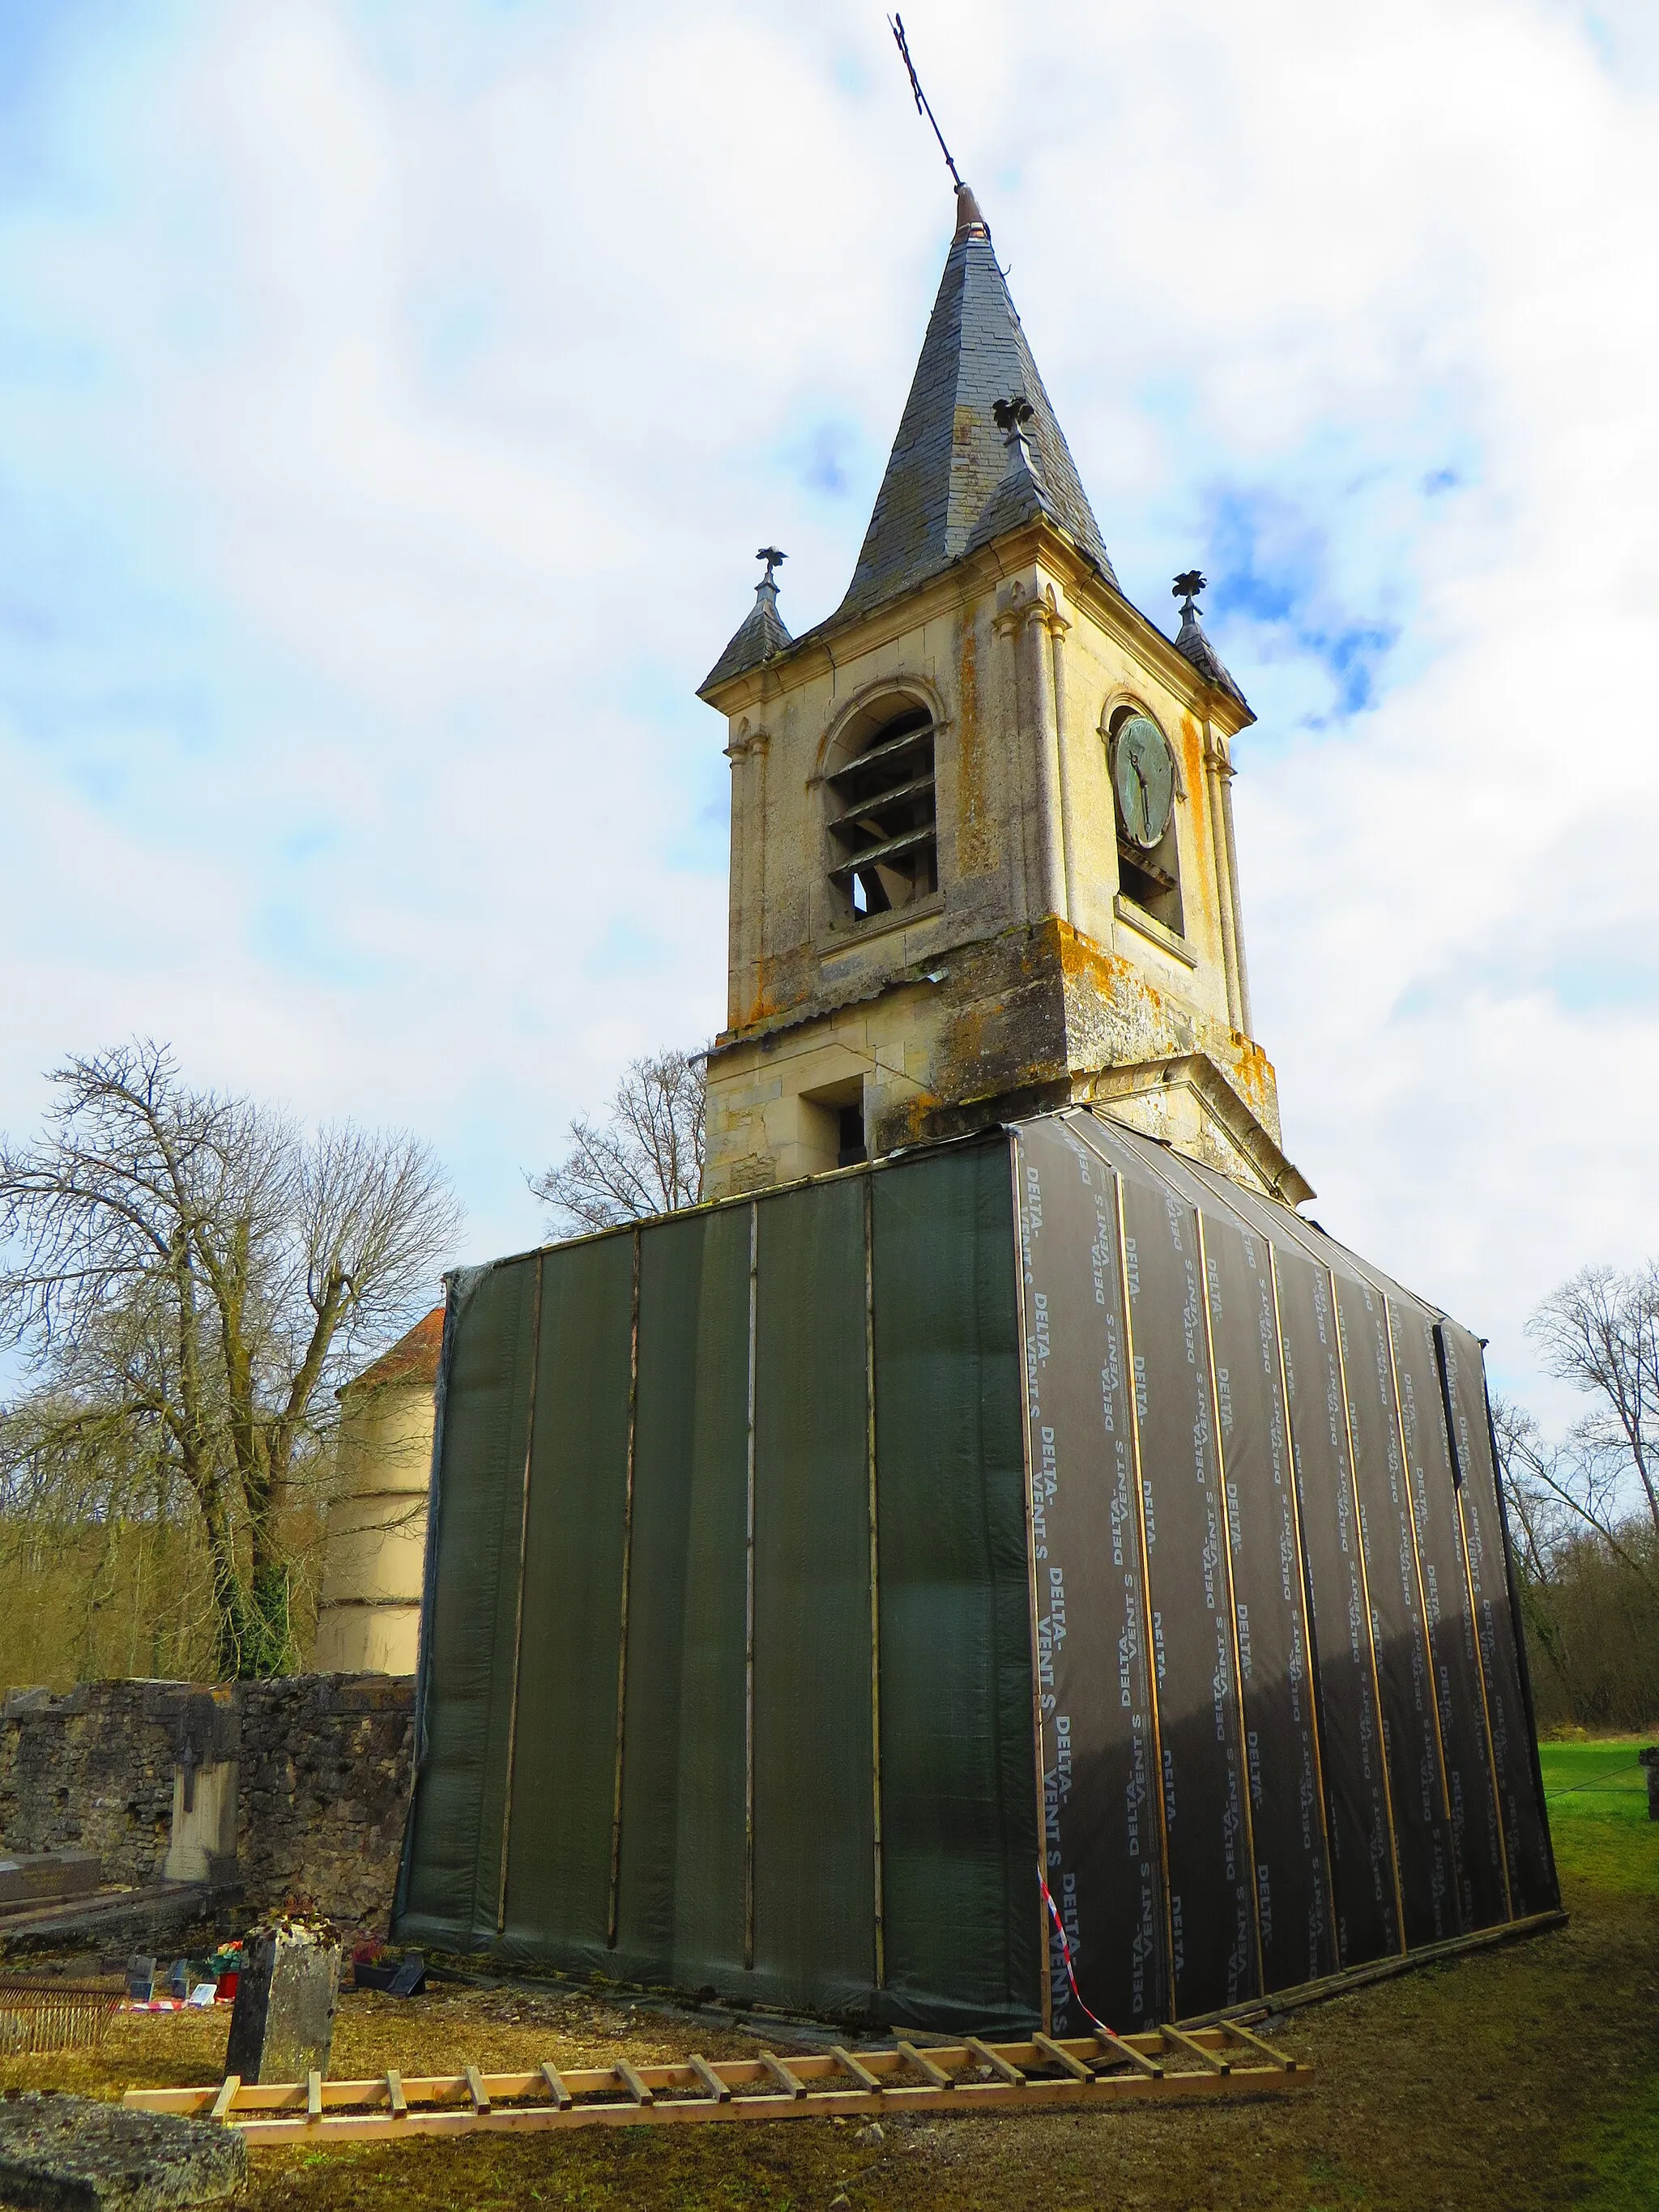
281,2025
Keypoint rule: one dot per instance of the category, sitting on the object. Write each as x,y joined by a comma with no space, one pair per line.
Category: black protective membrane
1099,1768
1422,1820
814,1580
1212,1904
1287,1814
1533,1885
1477,1850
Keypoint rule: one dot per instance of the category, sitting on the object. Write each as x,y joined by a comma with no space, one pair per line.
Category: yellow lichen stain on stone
1253,1077
1197,784
977,843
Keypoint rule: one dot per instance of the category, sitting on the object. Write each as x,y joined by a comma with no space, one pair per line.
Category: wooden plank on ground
226,2098
826,2083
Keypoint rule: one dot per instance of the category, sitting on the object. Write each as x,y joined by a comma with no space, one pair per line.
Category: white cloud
392,400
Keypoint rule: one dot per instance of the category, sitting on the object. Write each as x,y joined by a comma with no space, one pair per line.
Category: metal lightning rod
896,24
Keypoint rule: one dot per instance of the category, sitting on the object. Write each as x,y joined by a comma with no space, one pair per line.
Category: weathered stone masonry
318,1766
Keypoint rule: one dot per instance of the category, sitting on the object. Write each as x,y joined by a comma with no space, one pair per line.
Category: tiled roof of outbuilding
413,1358
949,461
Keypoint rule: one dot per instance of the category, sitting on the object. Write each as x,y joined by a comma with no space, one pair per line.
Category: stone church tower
983,856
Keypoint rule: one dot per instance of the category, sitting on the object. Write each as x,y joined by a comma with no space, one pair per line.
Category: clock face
1143,769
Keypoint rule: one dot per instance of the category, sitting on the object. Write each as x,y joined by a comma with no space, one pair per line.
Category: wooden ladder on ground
969,2076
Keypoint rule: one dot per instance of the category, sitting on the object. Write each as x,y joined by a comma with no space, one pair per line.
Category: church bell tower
982,853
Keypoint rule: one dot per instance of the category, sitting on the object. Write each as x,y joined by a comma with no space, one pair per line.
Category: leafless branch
646,1156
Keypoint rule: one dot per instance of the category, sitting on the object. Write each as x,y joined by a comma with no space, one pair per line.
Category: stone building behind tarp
368,1614
997,1540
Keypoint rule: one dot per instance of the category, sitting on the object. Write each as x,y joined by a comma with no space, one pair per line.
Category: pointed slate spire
1197,648
949,483
759,634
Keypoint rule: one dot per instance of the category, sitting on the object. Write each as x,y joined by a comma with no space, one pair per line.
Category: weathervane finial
1187,589
771,555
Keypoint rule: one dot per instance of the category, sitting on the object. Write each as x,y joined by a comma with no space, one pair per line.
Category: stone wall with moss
322,1781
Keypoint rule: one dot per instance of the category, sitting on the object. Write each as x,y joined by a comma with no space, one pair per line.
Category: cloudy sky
391,396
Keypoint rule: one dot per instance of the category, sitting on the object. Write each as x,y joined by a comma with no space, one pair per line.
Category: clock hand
1146,798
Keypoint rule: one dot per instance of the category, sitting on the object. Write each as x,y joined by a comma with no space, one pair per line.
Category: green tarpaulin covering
1027,1579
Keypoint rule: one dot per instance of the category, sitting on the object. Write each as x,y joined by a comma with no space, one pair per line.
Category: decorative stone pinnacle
1011,416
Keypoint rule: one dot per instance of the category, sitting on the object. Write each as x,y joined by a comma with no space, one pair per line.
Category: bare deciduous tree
645,1158
191,1277
1600,1333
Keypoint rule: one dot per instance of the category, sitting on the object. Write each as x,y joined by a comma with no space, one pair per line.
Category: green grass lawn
1598,1806
1607,1848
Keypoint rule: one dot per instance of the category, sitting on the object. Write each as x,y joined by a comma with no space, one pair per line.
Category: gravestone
78,2154
46,1878
1650,1759
281,2025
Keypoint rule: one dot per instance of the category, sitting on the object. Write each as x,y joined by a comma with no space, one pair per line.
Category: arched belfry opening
883,811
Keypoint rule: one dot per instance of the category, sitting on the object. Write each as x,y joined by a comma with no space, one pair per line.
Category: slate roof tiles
949,459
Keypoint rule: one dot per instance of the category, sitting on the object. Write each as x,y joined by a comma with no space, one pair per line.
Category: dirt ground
1519,2079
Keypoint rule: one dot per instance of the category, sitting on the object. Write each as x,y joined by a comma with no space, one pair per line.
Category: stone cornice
1197,1072
1037,544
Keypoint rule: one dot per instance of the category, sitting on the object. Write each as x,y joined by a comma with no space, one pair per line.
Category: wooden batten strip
1057,2056
477,2090
1254,2043
781,2075
1178,2041
856,2067
1004,2069
637,2089
710,2080
925,2066
561,2097
313,2095
226,2098
394,2093
1113,2046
